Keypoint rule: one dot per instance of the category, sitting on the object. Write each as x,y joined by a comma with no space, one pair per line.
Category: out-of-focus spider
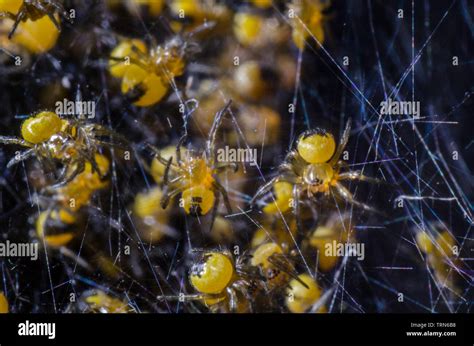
195,176
149,72
98,301
34,10
314,167
300,298
307,19
275,265
440,248
71,142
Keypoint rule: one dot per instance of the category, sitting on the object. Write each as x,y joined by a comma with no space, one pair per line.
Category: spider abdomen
41,127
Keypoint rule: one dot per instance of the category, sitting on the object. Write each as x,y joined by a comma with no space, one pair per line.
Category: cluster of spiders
136,206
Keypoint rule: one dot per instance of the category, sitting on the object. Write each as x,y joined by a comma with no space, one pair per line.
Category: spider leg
167,171
264,189
280,262
23,156
95,167
222,167
49,14
55,22
212,133
178,149
91,159
158,156
60,8
64,171
198,250
117,60
162,160
357,175
77,258
207,25
101,131
18,18
242,287
224,194
296,209
167,196
14,140
78,169
176,179
292,155
142,57
232,299
184,296
46,159
7,15
118,145
343,192
286,166
342,143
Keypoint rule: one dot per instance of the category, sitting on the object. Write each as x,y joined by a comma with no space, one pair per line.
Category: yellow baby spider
275,265
23,10
223,283
314,168
70,142
148,73
195,176
97,301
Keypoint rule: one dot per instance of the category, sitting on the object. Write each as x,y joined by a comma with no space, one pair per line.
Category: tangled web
399,70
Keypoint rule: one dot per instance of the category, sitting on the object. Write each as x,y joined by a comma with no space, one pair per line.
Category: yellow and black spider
275,264
72,143
33,10
148,72
222,282
195,176
314,168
